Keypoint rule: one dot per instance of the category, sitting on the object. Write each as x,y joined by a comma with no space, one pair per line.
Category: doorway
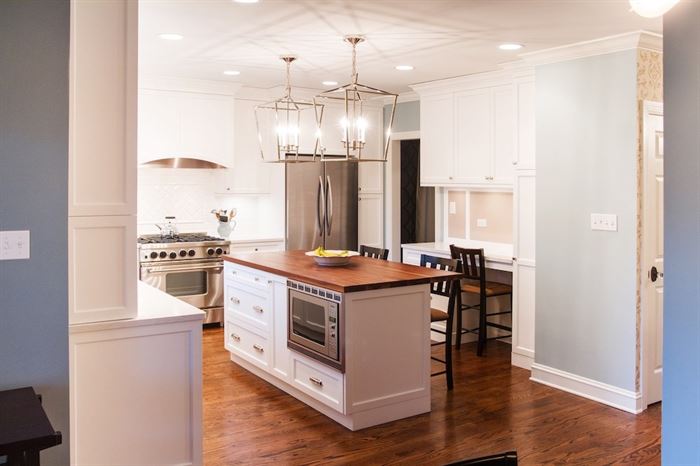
417,203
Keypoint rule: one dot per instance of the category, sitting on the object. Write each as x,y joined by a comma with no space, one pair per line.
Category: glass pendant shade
354,128
280,125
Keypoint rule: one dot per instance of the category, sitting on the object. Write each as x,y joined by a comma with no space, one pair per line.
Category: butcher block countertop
363,273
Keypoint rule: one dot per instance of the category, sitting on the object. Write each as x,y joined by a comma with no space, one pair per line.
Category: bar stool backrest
441,288
375,253
472,263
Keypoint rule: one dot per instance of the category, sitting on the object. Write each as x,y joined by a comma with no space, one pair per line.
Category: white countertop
493,252
154,307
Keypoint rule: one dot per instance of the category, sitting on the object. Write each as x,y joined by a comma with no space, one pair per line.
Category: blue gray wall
34,44
406,118
681,389
586,163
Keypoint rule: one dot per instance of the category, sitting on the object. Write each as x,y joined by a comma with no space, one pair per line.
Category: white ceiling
440,38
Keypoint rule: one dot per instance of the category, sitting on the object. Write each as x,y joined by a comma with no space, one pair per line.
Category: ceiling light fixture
510,46
232,72
354,125
330,83
404,67
282,119
171,36
652,8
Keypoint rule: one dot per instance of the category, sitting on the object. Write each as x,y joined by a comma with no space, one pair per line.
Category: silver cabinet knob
235,300
316,381
235,337
258,348
257,308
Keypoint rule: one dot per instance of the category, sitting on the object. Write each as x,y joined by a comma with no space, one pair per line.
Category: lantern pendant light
354,125
279,124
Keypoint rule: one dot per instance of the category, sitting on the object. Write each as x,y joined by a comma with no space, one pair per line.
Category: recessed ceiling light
171,36
404,67
510,46
246,1
232,72
330,83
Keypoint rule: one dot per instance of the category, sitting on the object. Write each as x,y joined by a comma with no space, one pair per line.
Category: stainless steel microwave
314,324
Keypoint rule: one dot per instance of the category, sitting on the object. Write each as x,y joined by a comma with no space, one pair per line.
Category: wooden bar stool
474,270
448,288
374,253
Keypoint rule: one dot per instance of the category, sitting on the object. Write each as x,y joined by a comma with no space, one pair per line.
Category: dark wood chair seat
436,315
491,288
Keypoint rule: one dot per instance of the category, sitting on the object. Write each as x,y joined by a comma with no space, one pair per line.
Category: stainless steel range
188,266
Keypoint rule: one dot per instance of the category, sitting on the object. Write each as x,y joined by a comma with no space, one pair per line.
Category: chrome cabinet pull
318,382
258,348
257,308
329,205
235,337
235,300
257,279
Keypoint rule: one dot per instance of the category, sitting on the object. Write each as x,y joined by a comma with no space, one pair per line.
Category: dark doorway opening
417,203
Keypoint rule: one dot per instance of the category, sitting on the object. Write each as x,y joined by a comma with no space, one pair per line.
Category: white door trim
649,109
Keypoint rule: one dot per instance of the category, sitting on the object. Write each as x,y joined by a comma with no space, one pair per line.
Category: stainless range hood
181,162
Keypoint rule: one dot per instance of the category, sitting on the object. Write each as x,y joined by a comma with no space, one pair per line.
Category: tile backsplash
190,195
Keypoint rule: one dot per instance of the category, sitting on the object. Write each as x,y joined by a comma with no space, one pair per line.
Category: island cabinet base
386,337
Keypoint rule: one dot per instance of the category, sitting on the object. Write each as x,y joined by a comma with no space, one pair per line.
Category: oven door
199,283
308,322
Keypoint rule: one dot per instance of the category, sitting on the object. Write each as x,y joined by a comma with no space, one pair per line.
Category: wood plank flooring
493,408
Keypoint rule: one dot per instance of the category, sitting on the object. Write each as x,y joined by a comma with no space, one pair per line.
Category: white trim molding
611,44
610,395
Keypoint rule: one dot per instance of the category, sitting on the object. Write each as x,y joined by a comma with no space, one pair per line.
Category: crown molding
200,86
611,44
501,77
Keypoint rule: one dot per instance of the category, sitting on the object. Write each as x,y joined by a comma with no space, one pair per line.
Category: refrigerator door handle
320,201
329,204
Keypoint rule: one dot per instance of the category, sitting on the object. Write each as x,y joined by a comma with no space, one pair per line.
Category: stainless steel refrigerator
321,205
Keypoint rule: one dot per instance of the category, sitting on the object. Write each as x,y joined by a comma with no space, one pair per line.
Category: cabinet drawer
258,247
245,277
325,385
252,306
248,344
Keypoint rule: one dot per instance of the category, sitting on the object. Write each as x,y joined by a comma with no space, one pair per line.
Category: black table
24,428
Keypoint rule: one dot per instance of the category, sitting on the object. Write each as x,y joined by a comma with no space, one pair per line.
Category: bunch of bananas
320,252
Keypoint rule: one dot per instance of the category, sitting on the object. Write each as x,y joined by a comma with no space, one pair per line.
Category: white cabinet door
374,148
503,135
437,140
370,220
249,175
159,125
524,269
525,90
371,177
207,127
473,137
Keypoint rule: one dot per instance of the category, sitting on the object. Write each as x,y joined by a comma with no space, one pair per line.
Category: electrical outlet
14,245
604,222
482,223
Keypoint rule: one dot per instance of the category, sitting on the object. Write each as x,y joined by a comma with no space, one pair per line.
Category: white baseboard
610,395
520,360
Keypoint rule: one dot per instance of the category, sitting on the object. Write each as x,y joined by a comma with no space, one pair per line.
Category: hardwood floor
493,408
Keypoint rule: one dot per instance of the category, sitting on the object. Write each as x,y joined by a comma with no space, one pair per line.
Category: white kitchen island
384,328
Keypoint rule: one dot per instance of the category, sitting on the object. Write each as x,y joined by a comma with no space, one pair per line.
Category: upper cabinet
186,124
474,132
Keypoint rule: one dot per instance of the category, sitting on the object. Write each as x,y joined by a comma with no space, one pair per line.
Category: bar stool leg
448,340
458,312
481,345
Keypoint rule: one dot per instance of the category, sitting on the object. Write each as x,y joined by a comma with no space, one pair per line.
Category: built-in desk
499,256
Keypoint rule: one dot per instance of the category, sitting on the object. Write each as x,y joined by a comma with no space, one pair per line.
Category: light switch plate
604,222
14,245
482,222
453,207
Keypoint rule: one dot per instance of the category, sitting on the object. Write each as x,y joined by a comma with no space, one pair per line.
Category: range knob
173,255
183,253
191,252
163,254
154,255
210,251
219,250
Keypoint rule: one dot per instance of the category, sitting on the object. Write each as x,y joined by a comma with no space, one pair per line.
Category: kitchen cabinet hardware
259,348
257,279
316,381
258,308
235,300
235,337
